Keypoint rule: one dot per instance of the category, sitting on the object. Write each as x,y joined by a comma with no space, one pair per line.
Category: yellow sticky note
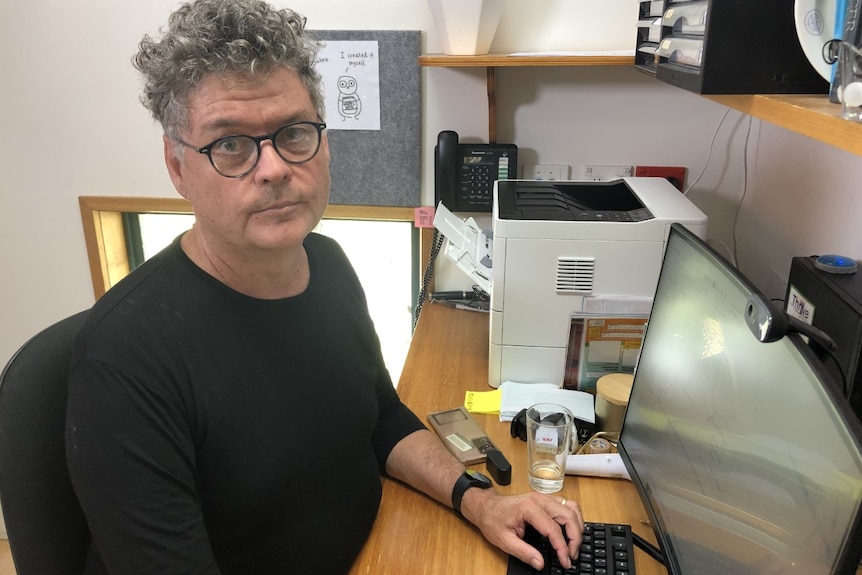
483,401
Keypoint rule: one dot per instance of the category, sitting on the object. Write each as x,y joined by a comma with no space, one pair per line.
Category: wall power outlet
547,172
601,173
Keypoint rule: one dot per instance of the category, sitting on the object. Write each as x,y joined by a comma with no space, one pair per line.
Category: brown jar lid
615,388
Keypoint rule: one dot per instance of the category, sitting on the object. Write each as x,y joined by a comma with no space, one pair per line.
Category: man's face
276,204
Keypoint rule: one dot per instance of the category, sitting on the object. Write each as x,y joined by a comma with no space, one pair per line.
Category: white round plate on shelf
815,25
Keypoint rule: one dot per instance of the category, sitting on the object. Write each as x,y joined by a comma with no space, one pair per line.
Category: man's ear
174,164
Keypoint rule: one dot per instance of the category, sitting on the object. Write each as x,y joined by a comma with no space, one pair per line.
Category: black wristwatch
467,480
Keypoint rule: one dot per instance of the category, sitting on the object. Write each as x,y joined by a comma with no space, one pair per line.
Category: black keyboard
606,549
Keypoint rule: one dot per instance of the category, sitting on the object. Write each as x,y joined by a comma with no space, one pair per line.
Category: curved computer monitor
745,454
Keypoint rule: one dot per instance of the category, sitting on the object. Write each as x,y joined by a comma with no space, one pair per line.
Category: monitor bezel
851,554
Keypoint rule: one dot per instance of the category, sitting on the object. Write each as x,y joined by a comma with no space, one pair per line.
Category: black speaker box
833,304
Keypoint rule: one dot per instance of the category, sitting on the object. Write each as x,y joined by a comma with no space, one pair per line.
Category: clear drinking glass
549,435
850,77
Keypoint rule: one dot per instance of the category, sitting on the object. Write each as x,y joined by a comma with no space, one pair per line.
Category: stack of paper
517,396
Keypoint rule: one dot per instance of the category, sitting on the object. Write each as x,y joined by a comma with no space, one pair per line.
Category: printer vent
575,274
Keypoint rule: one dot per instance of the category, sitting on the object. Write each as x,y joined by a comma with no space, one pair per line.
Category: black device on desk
464,174
605,550
746,454
833,303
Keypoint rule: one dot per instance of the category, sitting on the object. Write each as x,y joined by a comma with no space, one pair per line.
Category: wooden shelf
810,115
813,116
505,60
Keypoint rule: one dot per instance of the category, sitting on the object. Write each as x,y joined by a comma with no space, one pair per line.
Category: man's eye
293,134
230,146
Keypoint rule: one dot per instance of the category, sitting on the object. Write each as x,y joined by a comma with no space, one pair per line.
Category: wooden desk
414,534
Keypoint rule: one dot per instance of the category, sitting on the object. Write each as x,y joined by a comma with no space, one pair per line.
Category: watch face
468,480
480,479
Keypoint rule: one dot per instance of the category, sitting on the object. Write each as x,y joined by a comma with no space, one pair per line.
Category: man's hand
421,460
503,520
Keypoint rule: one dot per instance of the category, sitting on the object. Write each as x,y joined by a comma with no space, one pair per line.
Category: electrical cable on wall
708,154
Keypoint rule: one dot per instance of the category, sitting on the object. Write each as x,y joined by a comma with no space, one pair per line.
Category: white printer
559,247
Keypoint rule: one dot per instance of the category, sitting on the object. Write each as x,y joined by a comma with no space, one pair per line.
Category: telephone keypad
477,183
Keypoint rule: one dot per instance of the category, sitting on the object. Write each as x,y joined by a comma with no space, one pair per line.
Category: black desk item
832,303
734,47
606,549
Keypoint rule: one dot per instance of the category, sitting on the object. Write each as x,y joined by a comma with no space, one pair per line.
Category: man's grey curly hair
206,37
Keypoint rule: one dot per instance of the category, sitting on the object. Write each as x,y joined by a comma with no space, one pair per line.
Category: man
229,410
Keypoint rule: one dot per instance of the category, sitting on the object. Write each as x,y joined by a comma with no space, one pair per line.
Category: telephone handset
464,174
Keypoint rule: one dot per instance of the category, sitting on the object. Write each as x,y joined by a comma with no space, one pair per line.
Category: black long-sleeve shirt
211,432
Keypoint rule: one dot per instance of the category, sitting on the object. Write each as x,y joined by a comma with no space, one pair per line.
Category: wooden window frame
102,218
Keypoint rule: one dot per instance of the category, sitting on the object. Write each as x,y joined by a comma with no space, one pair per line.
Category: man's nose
271,165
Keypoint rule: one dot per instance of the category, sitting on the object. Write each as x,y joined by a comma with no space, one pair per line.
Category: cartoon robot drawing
349,104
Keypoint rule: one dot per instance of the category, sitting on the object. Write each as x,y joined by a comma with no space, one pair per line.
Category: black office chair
44,522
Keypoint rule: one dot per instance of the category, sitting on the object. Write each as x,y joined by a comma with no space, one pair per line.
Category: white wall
73,126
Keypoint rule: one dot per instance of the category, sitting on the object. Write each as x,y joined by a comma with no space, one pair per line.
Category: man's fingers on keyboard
565,560
561,546
567,535
574,535
531,557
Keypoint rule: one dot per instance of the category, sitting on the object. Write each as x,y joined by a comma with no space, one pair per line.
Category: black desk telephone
464,174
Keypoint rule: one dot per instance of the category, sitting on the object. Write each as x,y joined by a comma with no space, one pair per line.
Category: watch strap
467,480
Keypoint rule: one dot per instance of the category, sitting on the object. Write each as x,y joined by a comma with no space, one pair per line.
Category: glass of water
549,435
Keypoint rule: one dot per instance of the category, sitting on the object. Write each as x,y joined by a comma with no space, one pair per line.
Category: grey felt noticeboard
381,167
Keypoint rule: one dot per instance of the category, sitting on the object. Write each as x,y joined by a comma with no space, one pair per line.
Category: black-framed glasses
235,156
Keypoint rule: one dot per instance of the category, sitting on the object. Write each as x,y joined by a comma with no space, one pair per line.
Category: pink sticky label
423,217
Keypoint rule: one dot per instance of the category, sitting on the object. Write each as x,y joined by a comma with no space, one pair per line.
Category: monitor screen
745,454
